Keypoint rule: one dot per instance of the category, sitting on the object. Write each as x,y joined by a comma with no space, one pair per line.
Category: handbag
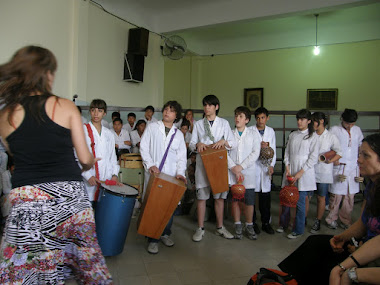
268,276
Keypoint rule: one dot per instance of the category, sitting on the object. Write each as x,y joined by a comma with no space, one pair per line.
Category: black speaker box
134,67
138,41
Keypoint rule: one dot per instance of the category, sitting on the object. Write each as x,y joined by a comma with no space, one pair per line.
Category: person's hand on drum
93,181
201,147
154,169
219,144
183,178
115,178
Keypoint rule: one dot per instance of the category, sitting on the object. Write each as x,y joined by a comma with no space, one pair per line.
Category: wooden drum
132,170
215,163
163,194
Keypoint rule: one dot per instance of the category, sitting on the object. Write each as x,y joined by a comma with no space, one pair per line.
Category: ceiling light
316,47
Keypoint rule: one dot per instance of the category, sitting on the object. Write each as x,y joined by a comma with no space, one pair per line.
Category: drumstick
109,182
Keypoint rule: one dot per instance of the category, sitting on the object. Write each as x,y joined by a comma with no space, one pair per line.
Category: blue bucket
113,213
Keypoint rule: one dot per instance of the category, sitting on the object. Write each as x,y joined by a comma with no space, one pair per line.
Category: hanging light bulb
316,47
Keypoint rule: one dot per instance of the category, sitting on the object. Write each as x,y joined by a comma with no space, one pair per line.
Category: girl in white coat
301,154
350,137
324,169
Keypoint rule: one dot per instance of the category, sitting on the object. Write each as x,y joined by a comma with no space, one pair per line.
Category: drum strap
91,136
167,150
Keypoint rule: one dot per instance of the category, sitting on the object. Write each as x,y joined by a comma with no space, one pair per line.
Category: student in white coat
301,155
217,131
122,140
350,137
241,165
104,147
136,135
157,138
264,172
324,168
130,125
148,116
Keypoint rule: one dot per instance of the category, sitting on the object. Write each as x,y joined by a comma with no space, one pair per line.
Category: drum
163,193
215,162
113,213
132,170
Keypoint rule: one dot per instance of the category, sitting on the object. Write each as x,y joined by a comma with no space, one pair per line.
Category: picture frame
322,99
253,98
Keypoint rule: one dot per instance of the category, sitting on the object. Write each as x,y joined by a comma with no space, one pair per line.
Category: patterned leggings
50,236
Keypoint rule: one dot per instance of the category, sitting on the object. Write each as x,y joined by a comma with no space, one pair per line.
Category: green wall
284,74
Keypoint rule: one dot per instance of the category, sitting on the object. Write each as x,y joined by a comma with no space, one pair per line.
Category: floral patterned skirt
50,236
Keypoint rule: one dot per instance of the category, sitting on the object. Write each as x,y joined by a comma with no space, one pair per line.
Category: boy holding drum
159,137
216,131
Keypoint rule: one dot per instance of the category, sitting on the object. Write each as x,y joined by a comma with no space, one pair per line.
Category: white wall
40,22
89,45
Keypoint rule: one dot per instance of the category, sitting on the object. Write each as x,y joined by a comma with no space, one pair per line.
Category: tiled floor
214,260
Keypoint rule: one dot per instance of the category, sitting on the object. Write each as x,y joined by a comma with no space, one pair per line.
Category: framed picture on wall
322,99
253,98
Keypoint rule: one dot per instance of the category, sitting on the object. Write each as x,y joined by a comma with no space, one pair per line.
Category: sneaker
344,226
166,240
327,208
333,225
280,229
316,227
224,233
268,229
238,231
198,235
293,235
250,232
256,228
153,247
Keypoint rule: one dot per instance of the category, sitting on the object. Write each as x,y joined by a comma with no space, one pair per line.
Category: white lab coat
128,127
152,120
121,138
104,149
153,145
263,181
303,154
350,157
219,129
135,139
323,171
245,154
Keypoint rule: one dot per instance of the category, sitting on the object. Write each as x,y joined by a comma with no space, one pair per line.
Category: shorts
204,194
249,197
322,189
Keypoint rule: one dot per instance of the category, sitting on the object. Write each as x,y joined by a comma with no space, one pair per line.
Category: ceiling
222,27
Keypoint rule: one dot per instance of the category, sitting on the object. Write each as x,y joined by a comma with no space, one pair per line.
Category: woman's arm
368,252
85,158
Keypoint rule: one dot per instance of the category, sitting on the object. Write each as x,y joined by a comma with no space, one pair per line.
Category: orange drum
215,162
163,194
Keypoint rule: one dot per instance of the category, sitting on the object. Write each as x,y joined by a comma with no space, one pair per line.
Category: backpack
271,277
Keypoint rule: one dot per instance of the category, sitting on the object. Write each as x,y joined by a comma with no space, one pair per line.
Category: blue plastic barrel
113,213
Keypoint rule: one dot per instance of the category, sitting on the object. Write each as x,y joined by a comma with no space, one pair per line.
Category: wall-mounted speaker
134,67
138,41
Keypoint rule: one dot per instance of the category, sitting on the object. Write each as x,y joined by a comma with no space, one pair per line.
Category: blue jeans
301,212
167,231
323,191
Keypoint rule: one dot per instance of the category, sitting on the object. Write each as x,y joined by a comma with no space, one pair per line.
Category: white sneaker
166,240
280,229
198,235
224,233
333,225
293,235
153,247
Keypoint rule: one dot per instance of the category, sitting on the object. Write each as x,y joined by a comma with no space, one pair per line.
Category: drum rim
122,195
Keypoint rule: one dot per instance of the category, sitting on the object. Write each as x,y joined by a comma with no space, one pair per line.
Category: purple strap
167,150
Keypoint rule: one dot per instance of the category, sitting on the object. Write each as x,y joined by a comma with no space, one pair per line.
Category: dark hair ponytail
306,114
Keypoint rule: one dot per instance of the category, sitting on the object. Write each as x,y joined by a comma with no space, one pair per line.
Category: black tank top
42,150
